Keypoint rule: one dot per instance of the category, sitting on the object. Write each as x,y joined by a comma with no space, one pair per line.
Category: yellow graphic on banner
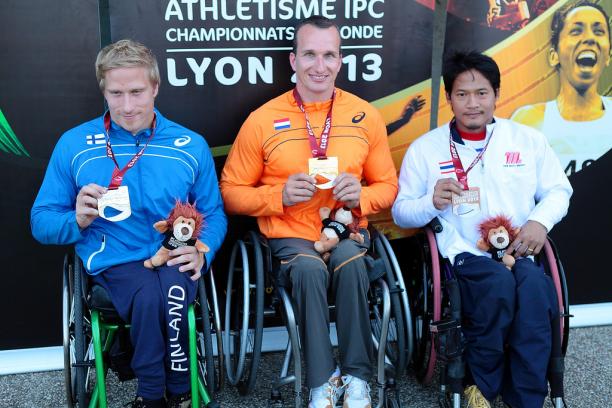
527,77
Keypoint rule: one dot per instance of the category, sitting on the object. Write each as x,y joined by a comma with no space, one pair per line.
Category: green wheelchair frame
87,341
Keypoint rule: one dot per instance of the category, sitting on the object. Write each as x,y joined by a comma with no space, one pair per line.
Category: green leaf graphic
8,140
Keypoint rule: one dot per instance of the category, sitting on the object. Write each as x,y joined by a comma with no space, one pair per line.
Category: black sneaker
140,402
180,401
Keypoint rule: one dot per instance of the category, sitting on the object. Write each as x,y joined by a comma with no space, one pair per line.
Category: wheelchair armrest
435,225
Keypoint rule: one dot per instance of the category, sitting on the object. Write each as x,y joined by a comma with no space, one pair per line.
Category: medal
114,205
468,202
324,171
117,197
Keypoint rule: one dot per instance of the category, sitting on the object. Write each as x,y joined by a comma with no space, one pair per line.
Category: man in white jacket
473,168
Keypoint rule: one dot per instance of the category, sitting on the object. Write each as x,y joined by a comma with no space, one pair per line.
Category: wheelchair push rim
244,320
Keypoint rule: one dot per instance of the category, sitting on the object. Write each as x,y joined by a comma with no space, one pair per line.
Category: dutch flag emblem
282,124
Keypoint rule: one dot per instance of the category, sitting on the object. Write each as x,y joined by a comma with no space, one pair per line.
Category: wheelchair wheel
244,314
206,361
80,368
399,343
216,322
557,273
425,294
68,332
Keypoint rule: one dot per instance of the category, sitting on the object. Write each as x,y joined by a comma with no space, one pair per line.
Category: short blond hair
126,54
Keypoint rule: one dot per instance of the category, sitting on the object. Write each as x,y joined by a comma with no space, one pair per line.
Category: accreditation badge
467,203
114,205
324,170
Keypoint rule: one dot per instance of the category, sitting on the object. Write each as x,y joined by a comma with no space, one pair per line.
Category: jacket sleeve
208,201
413,207
553,189
379,172
240,180
53,215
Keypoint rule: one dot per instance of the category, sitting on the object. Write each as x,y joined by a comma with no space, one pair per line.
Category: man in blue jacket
108,181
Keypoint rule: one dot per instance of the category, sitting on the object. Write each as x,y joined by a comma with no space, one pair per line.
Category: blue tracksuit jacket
177,164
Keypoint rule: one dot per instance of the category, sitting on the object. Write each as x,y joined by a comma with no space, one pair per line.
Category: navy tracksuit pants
155,303
507,325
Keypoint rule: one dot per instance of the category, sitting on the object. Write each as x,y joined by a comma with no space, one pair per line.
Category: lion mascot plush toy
181,228
337,226
496,234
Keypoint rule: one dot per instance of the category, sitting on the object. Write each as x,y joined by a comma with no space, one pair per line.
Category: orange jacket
262,158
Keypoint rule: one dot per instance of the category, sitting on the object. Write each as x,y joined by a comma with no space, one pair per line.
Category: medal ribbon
318,151
462,174
117,177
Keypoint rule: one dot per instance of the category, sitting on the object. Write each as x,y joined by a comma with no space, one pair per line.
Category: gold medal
324,171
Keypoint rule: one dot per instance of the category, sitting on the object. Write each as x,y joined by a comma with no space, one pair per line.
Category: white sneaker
357,394
328,394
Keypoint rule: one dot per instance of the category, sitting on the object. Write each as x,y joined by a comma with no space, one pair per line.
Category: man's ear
448,97
553,57
292,60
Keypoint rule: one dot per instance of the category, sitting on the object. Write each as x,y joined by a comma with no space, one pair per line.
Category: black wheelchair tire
68,331
397,312
79,335
247,384
422,309
209,372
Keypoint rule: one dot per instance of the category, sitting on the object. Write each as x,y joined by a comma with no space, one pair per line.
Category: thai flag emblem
282,124
446,167
96,139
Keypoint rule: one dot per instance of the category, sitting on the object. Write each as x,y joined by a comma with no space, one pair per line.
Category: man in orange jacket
317,146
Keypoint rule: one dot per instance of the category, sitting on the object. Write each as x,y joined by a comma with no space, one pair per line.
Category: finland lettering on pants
507,318
155,303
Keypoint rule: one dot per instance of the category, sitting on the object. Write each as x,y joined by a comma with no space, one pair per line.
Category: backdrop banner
221,59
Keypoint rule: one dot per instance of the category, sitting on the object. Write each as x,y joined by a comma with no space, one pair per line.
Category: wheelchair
436,306
92,328
253,296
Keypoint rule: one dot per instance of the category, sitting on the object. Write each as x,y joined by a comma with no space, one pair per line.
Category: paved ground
588,381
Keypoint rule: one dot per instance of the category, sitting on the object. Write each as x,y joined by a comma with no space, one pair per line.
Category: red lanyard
462,174
318,151
117,177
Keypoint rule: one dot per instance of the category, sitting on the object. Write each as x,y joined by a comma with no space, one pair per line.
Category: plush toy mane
186,210
496,222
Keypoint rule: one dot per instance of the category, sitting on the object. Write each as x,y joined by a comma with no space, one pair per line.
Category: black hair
558,20
317,21
459,62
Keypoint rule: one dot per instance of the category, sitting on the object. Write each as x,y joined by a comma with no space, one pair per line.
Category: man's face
473,101
130,96
316,62
584,47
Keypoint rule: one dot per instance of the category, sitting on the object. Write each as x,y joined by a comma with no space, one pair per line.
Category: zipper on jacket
102,247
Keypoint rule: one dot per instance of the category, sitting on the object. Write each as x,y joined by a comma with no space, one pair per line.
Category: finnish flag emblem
96,139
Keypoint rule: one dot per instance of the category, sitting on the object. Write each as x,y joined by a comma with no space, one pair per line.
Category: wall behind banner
218,63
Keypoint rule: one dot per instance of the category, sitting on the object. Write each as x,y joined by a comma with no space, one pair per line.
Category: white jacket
519,176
